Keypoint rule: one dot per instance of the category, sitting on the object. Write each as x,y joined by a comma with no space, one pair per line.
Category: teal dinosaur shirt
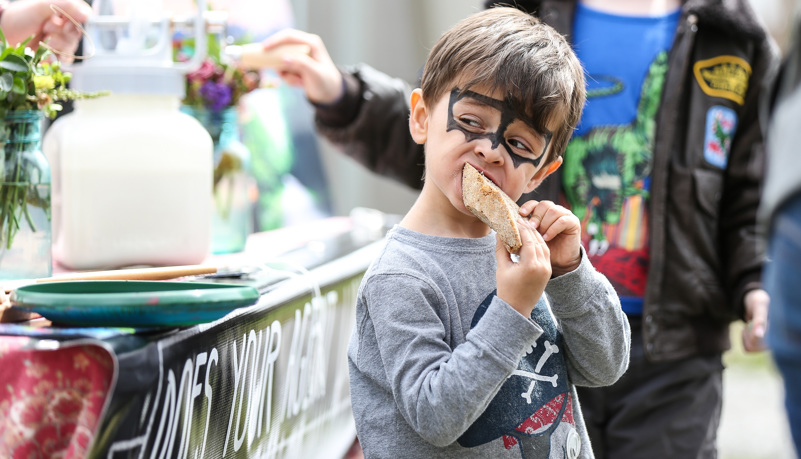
607,168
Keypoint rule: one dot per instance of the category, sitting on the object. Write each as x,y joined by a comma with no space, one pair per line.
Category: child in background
459,351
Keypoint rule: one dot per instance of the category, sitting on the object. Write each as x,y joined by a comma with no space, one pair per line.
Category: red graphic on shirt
543,418
626,270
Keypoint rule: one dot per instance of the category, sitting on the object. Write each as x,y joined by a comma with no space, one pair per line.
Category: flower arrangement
216,86
28,84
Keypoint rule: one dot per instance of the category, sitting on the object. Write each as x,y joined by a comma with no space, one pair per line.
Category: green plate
133,303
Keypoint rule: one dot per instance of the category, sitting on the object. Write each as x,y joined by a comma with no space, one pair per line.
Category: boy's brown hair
508,49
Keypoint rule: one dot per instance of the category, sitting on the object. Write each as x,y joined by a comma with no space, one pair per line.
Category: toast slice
492,206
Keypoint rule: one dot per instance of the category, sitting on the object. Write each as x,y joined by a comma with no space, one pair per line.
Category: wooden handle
164,273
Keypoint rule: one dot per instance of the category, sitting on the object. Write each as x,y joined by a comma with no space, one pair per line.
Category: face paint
494,108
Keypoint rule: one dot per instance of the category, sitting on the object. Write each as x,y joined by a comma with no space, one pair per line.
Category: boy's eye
518,145
470,122
525,149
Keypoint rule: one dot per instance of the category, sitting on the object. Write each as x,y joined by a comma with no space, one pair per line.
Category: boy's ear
418,120
542,174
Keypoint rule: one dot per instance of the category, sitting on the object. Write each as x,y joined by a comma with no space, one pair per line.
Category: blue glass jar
234,186
25,234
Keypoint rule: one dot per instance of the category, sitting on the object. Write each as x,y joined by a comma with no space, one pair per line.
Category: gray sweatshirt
442,367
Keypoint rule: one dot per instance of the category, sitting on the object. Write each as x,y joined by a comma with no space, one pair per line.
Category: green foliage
28,83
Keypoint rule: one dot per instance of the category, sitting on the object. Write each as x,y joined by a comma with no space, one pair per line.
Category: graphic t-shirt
607,169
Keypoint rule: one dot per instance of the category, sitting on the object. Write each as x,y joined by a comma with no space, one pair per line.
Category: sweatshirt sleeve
595,329
370,124
439,390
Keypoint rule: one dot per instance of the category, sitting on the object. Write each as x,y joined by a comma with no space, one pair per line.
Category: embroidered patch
723,76
721,123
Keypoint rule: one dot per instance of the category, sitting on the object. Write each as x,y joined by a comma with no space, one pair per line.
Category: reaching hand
316,73
521,284
560,229
26,18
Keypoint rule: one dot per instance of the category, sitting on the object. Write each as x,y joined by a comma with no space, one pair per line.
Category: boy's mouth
485,174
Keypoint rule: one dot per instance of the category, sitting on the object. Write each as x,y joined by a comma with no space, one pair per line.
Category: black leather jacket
704,250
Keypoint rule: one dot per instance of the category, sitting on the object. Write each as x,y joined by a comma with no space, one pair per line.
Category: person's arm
362,111
378,135
440,391
596,332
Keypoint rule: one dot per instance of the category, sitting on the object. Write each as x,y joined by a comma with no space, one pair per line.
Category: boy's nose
494,155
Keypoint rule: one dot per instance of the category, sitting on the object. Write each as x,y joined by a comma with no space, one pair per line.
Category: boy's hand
521,284
560,229
316,73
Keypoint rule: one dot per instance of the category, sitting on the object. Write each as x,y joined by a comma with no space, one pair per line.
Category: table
268,380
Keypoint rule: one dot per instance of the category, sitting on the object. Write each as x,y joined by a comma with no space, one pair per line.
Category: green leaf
6,81
14,63
19,86
2,40
41,52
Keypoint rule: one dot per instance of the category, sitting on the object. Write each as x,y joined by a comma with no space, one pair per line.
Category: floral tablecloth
52,396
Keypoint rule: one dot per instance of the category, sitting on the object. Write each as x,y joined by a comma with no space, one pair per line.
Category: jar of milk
131,173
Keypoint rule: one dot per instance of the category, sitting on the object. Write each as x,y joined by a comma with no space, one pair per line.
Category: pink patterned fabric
52,399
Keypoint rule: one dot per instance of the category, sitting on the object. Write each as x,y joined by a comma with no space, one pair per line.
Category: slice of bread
492,206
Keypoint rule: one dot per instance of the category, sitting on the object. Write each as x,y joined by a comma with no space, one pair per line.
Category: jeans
782,280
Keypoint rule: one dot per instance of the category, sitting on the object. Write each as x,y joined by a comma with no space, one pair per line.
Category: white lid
133,54
129,80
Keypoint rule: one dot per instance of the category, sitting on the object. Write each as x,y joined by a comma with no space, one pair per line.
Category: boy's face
480,128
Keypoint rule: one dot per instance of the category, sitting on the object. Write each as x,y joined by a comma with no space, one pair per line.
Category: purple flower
216,95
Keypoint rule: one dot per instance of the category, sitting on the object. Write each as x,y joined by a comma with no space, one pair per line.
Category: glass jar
25,250
233,185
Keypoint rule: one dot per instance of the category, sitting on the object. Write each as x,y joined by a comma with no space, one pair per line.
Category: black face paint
508,116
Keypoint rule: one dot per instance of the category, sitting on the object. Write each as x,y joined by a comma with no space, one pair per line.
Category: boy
457,353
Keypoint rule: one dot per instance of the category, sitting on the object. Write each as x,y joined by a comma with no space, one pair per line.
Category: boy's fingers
555,228
538,212
554,221
527,207
530,238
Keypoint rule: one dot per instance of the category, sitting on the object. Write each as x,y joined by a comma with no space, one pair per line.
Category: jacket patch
721,123
723,76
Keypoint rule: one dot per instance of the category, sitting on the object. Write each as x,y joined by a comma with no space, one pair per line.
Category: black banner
271,381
